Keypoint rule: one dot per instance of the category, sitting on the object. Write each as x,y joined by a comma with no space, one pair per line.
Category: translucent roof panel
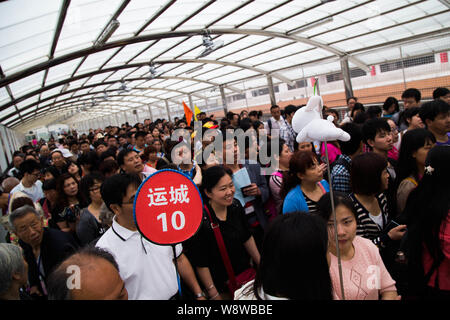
46,43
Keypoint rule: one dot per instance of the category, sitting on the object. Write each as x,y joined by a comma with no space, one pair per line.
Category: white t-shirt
377,219
35,192
146,268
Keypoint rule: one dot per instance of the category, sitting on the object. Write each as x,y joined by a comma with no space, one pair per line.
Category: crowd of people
67,209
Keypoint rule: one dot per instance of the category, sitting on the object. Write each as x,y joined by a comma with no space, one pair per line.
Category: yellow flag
196,112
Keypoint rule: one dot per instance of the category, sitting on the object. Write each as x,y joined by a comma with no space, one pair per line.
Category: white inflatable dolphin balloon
310,126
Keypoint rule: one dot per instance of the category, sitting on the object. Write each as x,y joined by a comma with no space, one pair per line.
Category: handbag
234,282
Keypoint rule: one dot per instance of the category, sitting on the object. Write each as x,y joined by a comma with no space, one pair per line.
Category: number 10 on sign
175,225
168,208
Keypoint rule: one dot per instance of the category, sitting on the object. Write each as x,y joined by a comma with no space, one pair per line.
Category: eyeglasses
131,201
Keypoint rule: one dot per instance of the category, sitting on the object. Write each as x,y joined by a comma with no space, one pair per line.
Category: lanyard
41,276
191,172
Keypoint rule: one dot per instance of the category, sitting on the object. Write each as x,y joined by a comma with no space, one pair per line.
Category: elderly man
58,160
9,183
13,273
30,183
43,248
92,273
44,155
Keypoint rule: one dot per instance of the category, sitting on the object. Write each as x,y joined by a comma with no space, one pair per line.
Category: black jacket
55,247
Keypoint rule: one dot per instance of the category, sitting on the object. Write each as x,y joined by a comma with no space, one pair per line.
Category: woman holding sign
216,263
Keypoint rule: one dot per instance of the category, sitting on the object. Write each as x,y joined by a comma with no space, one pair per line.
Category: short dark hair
366,172
430,110
88,181
412,93
274,106
53,171
108,166
440,92
84,142
89,158
373,126
408,114
253,113
72,143
49,184
374,111
100,142
140,134
115,188
289,109
389,102
28,166
354,98
122,154
57,280
106,154
358,106
350,147
18,154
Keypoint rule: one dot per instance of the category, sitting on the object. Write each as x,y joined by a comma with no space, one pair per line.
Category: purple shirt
444,143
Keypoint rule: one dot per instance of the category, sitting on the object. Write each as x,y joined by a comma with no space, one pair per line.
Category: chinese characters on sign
157,196
168,208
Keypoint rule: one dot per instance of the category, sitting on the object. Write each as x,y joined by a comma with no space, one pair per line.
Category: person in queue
358,255
99,277
43,247
304,184
203,250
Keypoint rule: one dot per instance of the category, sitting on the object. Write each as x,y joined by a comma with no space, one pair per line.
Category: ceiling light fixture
107,33
209,45
123,87
65,87
153,73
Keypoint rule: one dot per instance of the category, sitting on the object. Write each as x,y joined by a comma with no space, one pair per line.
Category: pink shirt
333,152
444,267
364,276
149,170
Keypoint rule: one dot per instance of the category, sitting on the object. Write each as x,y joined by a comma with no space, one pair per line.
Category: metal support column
273,101
191,103
345,69
167,110
150,113
403,67
224,100
137,115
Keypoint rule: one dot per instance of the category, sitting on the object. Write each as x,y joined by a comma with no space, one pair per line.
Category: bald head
9,183
90,274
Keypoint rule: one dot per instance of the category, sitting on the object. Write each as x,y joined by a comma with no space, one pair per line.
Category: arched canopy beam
135,65
158,36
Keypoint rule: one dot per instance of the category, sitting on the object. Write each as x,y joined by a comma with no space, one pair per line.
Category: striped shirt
312,205
367,228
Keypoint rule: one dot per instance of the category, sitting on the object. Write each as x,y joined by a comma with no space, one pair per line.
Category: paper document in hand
241,179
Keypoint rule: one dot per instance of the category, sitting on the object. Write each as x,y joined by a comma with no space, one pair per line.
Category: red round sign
168,208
